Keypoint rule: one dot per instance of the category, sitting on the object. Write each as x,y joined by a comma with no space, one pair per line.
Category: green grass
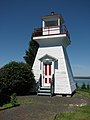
8,105
24,101
84,93
83,113
12,103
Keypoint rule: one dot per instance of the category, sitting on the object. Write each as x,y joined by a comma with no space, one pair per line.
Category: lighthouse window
51,23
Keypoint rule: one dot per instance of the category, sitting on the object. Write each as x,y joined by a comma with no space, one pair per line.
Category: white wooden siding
63,75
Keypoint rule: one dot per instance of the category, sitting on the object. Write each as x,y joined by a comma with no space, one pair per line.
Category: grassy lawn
7,106
12,103
84,93
83,113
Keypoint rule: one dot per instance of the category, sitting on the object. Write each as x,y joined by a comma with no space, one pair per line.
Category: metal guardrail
39,31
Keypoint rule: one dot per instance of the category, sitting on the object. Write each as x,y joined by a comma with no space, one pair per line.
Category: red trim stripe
45,69
45,80
49,69
49,80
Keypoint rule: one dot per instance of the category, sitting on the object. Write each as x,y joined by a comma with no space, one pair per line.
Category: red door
47,74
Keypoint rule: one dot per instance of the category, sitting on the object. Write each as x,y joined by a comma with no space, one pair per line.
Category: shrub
4,99
16,78
14,100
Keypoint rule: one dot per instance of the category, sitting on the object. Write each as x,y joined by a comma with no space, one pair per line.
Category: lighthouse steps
44,91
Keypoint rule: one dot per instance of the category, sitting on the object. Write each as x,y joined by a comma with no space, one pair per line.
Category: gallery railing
62,30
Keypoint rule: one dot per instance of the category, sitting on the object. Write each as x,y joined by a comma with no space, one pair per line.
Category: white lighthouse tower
51,67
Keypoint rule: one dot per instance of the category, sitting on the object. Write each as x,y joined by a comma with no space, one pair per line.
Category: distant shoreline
80,77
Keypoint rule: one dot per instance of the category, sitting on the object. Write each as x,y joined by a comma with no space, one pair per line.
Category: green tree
16,77
77,86
88,86
83,86
31,52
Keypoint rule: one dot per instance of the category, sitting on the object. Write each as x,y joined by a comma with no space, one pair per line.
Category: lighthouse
51,67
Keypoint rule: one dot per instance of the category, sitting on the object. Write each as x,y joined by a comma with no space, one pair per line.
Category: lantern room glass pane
51,23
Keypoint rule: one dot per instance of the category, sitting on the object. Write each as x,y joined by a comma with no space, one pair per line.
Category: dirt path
42,107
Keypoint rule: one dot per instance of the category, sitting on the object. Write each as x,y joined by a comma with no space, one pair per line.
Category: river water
81,81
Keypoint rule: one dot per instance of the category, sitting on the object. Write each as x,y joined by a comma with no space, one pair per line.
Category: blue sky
18,18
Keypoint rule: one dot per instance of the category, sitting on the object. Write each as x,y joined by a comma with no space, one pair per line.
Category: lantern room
52,24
